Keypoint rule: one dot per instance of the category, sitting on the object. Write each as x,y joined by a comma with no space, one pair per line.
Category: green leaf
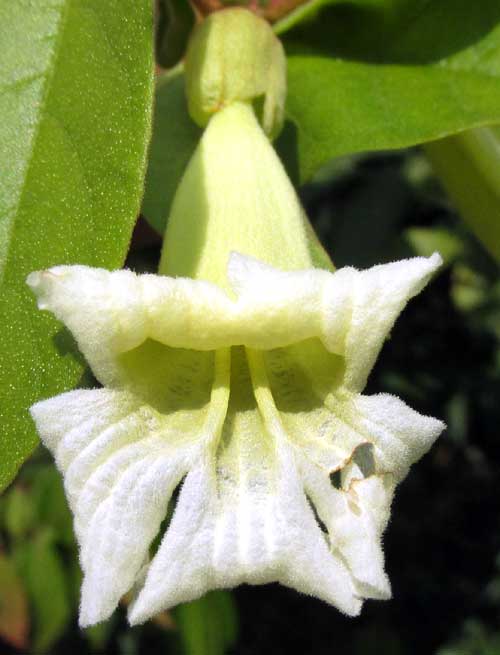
362,79
339,107
41,569
75,98
469,167
14,618
394,31
209,625
174,140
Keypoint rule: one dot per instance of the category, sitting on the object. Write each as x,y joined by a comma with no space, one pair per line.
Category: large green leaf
366,79
75,98
337,107
393,31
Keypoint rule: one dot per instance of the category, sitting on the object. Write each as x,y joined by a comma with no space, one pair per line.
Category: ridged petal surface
248,406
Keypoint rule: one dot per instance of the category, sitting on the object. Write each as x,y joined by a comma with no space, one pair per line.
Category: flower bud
233,56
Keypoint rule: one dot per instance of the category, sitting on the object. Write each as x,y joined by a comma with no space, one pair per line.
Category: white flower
248,402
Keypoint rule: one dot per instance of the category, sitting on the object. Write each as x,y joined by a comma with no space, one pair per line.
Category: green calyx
234,56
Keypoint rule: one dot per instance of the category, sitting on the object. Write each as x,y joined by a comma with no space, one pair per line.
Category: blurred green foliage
469,166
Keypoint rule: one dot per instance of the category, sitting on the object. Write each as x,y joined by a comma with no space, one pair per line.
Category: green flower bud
233,56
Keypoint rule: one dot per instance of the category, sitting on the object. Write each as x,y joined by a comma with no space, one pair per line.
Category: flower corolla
251,405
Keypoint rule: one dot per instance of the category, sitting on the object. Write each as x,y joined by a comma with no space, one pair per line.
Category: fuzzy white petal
360,308
120,469
356,518
259,531
401,436
110,313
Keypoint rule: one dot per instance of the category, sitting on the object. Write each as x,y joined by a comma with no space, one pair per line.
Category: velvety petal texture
350,311
232,426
